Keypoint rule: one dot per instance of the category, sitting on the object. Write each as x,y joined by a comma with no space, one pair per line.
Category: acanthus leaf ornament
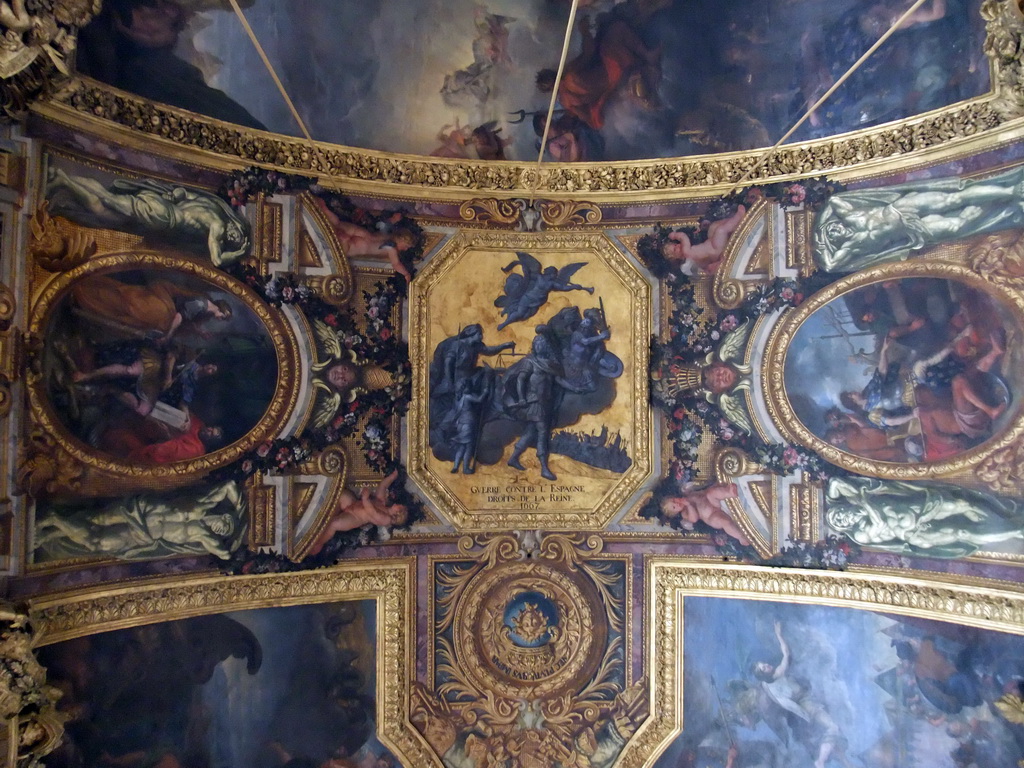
28,706
1004,44
97,107
51,249
529,662
37,47
480,210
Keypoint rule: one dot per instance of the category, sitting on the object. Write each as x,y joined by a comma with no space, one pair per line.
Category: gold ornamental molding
953,131
1004,45
444,299
528,216
530,653
670,581
388,582
32,727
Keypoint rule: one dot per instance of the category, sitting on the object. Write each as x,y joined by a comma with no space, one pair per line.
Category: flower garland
378,344
697,331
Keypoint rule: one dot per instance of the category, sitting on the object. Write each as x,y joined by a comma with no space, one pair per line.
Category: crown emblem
530,623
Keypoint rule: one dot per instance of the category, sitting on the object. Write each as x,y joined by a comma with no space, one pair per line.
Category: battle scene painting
156,366
776,685
265,688
643,78
907,370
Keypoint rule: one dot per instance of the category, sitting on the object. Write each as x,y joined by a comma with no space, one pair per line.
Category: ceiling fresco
465,79
299,472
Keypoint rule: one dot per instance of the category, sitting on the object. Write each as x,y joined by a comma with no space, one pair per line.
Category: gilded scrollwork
338,287
481,210
732,462
51,249
729,291
1000,258
529,654
784,416
43,468
28,706
567,213
1003,470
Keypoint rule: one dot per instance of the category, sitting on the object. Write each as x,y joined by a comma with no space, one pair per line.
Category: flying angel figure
525,294
340,377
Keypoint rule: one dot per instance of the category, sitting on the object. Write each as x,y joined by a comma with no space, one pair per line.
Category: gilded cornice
126,119
122,117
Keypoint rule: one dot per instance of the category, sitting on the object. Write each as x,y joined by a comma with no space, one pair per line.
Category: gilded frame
641,414
670,581
773,385
390,583
285,346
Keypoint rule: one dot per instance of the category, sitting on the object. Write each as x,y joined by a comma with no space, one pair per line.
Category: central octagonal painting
532,379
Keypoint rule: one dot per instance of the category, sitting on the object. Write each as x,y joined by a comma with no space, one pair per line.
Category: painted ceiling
461,78
323,457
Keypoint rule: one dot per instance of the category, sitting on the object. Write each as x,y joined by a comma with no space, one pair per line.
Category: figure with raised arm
156,207
918,518
813,720
370,507
861,228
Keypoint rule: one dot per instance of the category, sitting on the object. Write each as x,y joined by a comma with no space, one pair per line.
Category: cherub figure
356,240
676,247
368,508
707,506
461,141
340,377
722,378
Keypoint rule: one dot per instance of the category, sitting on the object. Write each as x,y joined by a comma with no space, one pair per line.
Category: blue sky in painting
839,656
245,709
369,73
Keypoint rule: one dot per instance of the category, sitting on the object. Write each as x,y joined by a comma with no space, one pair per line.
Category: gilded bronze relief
530,655
531,396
